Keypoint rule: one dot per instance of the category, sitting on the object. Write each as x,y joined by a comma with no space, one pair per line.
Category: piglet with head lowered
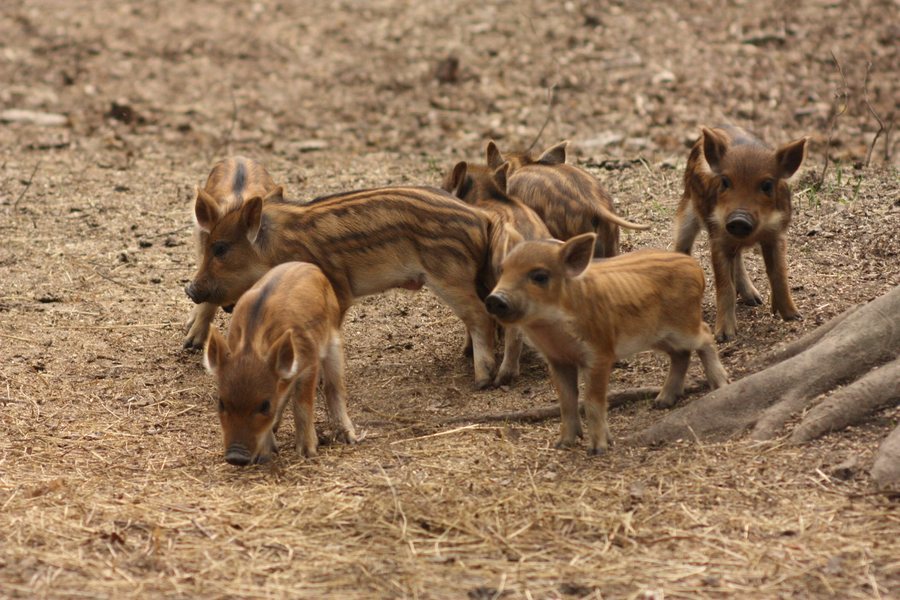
284,332
583,315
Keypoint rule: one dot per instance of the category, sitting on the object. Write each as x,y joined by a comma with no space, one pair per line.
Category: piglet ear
555,155
283,359
251,217
576,253
216,352
714,148
493,156
206,210
453,183
500,176
512,238
790,156
277,194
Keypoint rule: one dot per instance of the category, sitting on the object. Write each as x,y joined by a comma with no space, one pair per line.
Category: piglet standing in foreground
735,186
284,330
230,182
583,315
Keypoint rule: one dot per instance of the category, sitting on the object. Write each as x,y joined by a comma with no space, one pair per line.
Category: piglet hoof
483,384
309,452
663,402
723,337
754,300
195,338
346,437
564,444
504,378
792,317
596,451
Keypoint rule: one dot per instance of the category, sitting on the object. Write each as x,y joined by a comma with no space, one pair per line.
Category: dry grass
112,482
104,506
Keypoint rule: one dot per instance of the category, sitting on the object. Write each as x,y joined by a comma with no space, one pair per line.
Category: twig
27,185
168,233
438,434
532,415
19,339
226,140
551,91
839,93
396,503
123,326
551,100
887,140
111,279
874,114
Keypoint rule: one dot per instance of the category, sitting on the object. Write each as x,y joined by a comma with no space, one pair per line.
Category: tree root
886,470
848,347
876,390
534,415
810,339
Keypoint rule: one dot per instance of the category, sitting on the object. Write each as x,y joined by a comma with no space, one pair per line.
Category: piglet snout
497,305
237,455
740,224
194,293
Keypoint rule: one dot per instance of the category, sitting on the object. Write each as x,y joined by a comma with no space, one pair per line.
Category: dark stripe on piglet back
259,303
240,179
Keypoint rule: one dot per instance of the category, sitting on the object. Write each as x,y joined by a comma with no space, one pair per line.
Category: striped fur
735,187
366,242
230,182
285,331
570,200
583,315
486,188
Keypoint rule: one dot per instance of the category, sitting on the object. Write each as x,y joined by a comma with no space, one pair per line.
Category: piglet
284,332
583,316
736,187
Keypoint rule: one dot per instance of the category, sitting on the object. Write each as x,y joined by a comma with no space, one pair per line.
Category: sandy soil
112,481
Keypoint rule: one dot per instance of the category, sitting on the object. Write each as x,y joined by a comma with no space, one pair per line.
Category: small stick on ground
227,136
841,93
551,100
27,185
551,91
874,114
534,415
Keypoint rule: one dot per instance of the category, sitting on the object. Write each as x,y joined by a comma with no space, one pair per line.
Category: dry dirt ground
112,482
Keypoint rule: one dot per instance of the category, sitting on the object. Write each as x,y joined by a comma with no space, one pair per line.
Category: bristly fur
735,187
285,331
229,184
583,315
570,200
366,242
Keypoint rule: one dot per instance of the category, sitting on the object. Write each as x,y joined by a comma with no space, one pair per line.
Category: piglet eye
539,276
726,182
767,186
264,407
219,249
